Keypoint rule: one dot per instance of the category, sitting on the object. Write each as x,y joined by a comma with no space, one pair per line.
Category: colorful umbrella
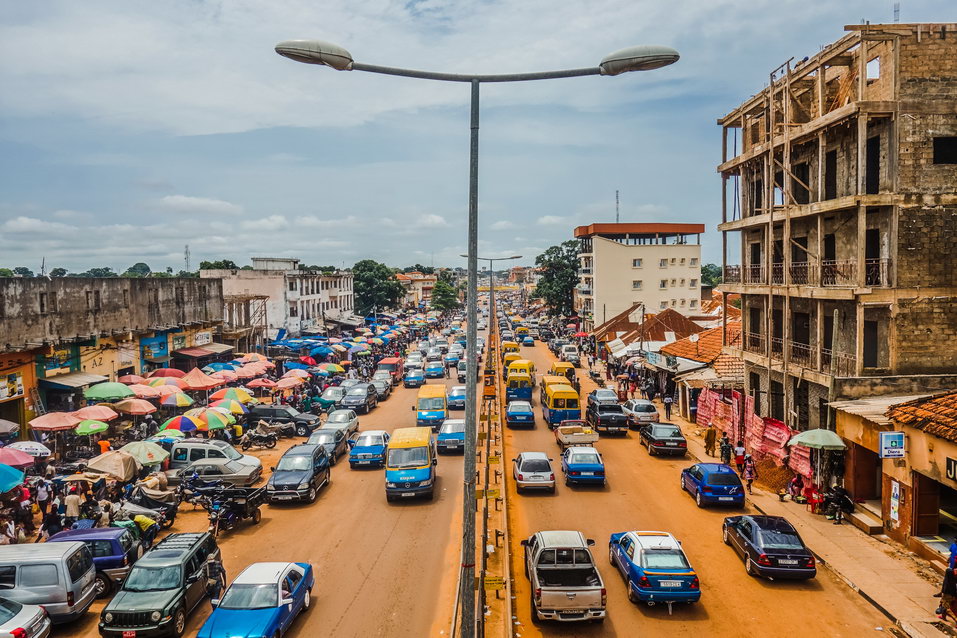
196,379
177,400
210,418
161,381
34,449
166,390
308,360
166,372
230,419
15,458
167,435
107,391
339,348
332,367
10,477
131,379
261,383
98,412
237,394
252,356
182,423
141,391
54,422
135,406
231,405
89,426
146,452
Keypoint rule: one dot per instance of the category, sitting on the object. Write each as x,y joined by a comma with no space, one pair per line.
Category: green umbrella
90,426
107,391
818,439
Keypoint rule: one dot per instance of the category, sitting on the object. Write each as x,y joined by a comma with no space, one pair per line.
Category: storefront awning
348,321
73,380
217,348
199,352
158,359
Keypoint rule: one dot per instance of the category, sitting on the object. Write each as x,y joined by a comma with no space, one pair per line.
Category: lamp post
637,58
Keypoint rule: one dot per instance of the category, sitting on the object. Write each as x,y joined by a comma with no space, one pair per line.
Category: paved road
643,493
384,569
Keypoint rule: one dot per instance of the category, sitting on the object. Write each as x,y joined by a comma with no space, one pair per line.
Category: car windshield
357,391
668,432
8,609
152,578
519,406
644,407
610,407
250,597
231,453
780,540
723,478
333,393
291,411
458,390
536,465
368,440
321,438
339,417
293,463
231,468
408,457
663,559
583,458
452,427
434,403
413,374
606,394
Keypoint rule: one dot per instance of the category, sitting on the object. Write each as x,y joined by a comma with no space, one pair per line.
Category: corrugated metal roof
873,408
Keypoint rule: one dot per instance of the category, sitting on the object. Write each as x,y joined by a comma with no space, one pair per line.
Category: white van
58,576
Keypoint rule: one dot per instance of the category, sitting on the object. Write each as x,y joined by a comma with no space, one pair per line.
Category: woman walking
750,471
739,452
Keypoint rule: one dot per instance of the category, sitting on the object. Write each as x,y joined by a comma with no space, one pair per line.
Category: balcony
802,273
754,274
838,364
731,274
584,292
877,272
584,271
838,273
777,273
754,342
801,354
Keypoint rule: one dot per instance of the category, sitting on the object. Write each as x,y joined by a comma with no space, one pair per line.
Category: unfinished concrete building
839,222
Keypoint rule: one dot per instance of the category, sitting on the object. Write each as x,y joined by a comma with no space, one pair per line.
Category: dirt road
383,569
643,493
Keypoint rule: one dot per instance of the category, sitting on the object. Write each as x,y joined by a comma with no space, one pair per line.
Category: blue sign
891,445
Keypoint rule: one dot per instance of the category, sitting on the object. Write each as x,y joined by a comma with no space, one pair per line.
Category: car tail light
682,444
695,583
604,596
764,560
551,477
19,632
644,582
599,472
126,560
70,599
574,473
521,477
538,595
809,562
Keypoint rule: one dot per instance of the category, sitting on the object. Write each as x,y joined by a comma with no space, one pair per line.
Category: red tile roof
706,348
668,320
935,415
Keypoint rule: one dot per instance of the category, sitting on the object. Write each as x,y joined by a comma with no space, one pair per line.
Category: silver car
224,470
31,620
533,470
640,412
345,420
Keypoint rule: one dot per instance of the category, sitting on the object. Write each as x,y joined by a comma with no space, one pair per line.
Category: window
682,261
693,303
43,303
96,299
945,150
101,549
874,69
78,564
1,307
180,295
8,577
663,305
89,300
126,297
682,302
663,263
179,454
693,261
693,283
636,263
636,284
674,260
663,284
292,285
38,576
674,303
682,282
673,281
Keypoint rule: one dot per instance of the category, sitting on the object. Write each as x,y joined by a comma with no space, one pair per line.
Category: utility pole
186,256
617,215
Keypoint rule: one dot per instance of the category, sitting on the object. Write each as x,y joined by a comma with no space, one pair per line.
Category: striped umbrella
183,423
252,356
231,405
237,394
177,400
161,381
209,419
166,390
332,367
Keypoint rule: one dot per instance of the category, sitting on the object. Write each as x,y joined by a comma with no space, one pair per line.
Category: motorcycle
278,429
250,439
231,506
596,378
837,502
140,497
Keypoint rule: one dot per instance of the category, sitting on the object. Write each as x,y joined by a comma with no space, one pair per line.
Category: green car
327,400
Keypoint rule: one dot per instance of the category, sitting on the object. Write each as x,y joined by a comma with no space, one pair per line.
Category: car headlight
108,617
304,484
390,484
425,483
155,616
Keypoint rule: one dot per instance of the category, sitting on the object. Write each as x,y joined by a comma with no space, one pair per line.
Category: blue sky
130,129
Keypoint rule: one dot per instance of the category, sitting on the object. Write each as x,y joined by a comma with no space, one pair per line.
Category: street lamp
637,58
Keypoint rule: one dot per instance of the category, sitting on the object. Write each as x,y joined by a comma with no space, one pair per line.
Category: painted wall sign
202,338
891,445
11,386
896,500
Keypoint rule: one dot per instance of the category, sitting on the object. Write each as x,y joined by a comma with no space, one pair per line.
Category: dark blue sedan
451,436
583,465
713,483
369,449
655,567
414,378
770,547
519,413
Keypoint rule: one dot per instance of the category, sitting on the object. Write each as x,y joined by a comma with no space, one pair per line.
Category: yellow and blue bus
561,404
431,406
410,464
518,386
523,366
550,379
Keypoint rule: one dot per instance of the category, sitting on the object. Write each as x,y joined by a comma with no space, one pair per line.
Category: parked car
770,546
369,449
456,397
519,413
186,451
114,550
414,378
711,483
334,441
451,437
383,388
60,577
565,583
606,417
434,370
583,465
223,470
162,589
342,420
264,600
305,422
434,355
602,395
361,396
330,397
663,438
639,412
28,621
383,375
302,470
533,470
348,383
654,567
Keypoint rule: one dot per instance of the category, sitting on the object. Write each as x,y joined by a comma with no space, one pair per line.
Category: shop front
64,392
17,379
154,353
201,356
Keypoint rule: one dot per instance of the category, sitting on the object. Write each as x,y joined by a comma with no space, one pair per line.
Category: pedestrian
215,577
710,438
43,496
52,524
948,593
952,561
446,372
104,445
667,401
148,528
750,470
72,503
739,452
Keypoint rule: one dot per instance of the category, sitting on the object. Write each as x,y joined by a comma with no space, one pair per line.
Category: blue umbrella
295,365
320,350
220,365
9,478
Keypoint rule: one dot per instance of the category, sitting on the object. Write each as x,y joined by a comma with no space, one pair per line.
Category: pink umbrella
135,406
246,372
166,372
225,375
130,379
95,413
166,390
302,374
196,379
15,458
261,383
54,422
288,382
141,391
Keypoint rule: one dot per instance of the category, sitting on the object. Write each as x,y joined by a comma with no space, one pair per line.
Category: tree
375,286
58,272
105,271
23,271
559,270
6,272
222,264
710,275
447,276
425,270
444,296
139,269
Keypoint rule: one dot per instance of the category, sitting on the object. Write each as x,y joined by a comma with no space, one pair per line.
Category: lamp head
316,52
640,58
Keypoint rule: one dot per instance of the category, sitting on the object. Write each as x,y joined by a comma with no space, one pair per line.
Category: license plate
129,633
588,474
672,443
363,462
670,583
452,444
405,494
785,561
286,497
725,498
612,429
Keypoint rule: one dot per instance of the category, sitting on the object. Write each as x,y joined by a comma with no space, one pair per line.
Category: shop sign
11,386
891,445
202,338
896,500
125,355
154,347
952,469
57,362
179,341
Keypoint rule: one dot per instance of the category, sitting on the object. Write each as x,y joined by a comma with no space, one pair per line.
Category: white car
16,619
639,412
533,470
345,420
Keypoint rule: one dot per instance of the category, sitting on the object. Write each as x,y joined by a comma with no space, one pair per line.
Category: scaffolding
244,322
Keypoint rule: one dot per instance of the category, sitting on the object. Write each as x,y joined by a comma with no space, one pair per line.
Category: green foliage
322,269
23,271
58,272
222,264
447,276
444,296
6,272
710,275
425,270
106,271
139,269
559,270
375,286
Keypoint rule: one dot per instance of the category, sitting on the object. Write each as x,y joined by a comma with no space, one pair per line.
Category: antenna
186,256
43,267
897,12
617,215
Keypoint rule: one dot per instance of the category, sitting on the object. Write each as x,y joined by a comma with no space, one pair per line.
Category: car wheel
302,430
257,516
388,498
179,622
102,585
651,449
698,500
681,482
750,568
312,494
725,537
632,596
307,598
611,557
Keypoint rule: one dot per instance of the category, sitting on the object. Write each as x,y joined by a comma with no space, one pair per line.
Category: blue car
713,483
434,370
452,358
369,449
457,397
264,600
528,341
414,378
114,550
583,466
655,568
451,436
519,413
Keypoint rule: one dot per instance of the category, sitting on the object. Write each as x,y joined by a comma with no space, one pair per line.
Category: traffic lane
381,568
643,492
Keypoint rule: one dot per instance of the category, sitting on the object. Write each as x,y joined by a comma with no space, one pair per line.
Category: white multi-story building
298,300
658,265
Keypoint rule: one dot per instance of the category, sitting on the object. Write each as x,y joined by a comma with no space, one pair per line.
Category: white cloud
311,221
272,222
552,220
431,220
502,225
29,225
198,205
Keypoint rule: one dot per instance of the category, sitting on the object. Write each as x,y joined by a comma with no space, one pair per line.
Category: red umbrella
166,372
54,422
15,458
261,383
196,379
309,361
95,413
581,334
130,379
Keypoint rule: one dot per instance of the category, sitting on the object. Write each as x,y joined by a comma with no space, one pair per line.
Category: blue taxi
434,370
451,436
713,483
369,449
414,378
655,567
457,397
519,413
583,465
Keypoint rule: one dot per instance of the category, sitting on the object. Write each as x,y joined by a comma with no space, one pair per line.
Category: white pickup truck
571,433
566,585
